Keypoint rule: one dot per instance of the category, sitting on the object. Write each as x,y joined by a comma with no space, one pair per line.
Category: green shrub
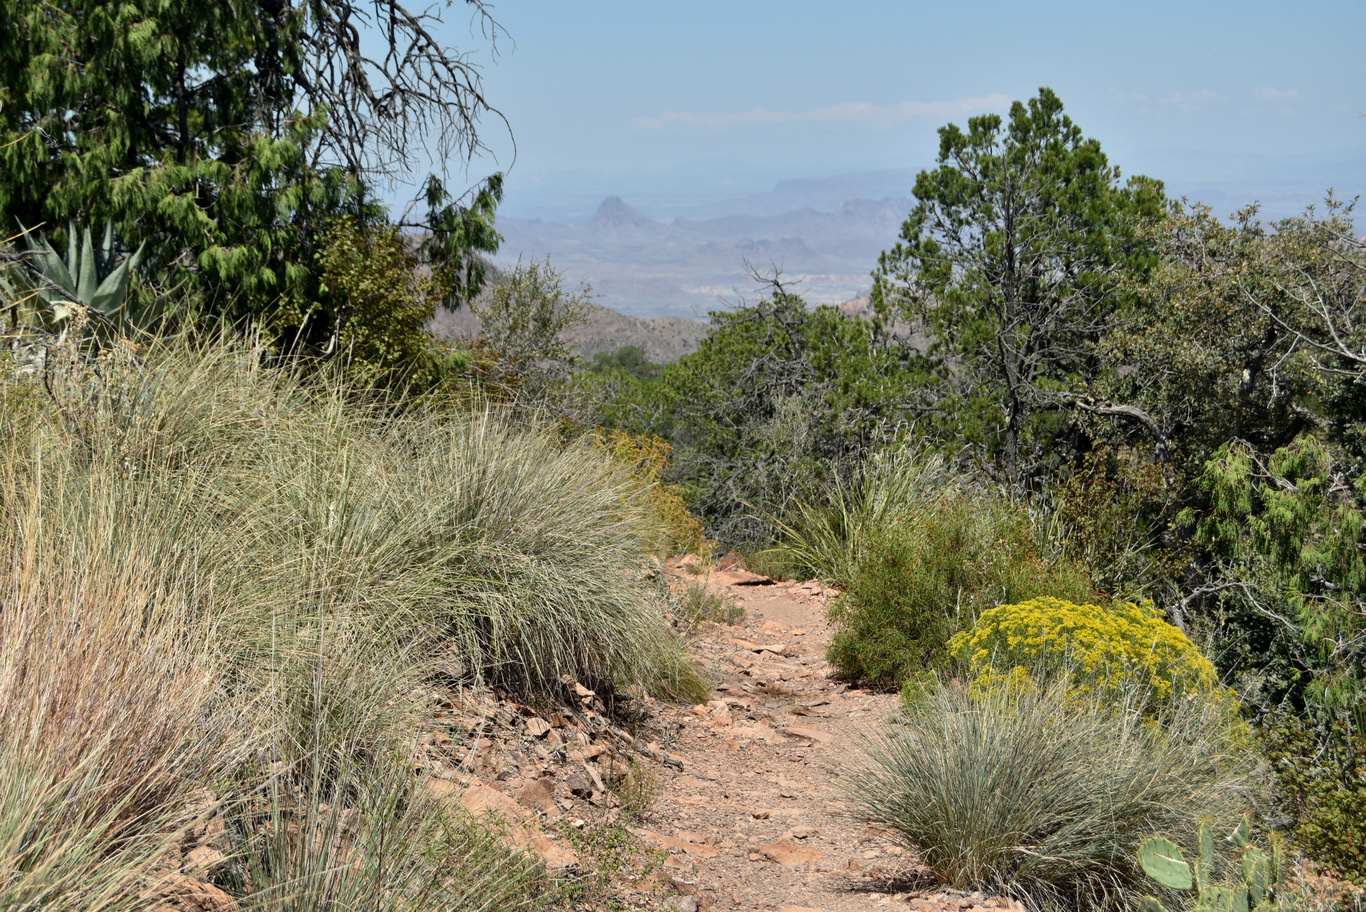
1104,650
1112,516
1321,774
1043,797
922,579
522,318
372,306
777,399
647,455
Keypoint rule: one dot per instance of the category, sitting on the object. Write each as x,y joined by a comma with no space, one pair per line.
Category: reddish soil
757,819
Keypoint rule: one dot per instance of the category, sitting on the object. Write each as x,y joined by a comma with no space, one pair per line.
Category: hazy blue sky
691,100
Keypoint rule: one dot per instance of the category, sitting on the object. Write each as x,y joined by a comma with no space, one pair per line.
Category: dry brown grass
110,724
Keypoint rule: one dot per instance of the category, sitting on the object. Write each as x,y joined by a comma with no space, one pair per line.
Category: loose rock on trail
757,819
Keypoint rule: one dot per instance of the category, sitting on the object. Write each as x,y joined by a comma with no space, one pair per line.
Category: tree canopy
1011,261
228,134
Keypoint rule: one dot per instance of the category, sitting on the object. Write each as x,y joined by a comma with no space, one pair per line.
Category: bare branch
391,90
1132,413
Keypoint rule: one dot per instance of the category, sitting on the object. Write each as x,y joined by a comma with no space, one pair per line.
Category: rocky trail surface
740,797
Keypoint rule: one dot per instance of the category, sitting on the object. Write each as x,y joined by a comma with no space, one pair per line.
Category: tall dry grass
221,576
111,717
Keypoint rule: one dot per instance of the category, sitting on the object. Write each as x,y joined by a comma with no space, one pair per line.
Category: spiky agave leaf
78,279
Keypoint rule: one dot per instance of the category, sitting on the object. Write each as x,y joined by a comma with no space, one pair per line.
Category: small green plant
88,278
829,539
696,605
1259,884
635,785
610,855
1320,769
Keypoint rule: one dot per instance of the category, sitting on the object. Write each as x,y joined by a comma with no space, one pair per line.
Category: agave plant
89,278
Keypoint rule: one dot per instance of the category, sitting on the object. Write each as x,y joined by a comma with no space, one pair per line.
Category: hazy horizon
670,106
707,109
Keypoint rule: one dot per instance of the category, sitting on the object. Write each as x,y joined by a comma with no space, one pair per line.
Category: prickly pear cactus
1260,890
1161,860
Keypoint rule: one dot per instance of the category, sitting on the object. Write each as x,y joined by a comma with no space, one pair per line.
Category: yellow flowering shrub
1106,650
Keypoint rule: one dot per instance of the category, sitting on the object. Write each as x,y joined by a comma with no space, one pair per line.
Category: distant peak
614,212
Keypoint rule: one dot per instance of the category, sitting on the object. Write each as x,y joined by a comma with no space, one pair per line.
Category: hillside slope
664,339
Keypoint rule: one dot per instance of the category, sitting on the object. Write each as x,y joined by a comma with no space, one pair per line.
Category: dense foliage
1126,398
777,396
1012,262
228,139
929,574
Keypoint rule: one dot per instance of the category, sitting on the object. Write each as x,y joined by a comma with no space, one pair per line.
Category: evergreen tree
1010,262
228,134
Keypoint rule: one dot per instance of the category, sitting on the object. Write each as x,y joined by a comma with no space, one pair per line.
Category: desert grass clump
539,549
222,587
362,833
1037,795
694,605
830,537
522,550
111,722
635,786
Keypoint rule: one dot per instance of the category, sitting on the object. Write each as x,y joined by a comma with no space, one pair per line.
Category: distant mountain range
690,266
825,233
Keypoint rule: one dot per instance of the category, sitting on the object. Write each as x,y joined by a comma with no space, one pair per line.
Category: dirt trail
757,820
748,804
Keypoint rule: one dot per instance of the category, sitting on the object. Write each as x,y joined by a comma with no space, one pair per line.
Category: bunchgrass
229,580
365,836
111,718
1033,793
829,538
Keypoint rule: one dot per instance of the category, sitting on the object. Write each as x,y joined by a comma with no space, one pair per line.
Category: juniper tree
226,133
